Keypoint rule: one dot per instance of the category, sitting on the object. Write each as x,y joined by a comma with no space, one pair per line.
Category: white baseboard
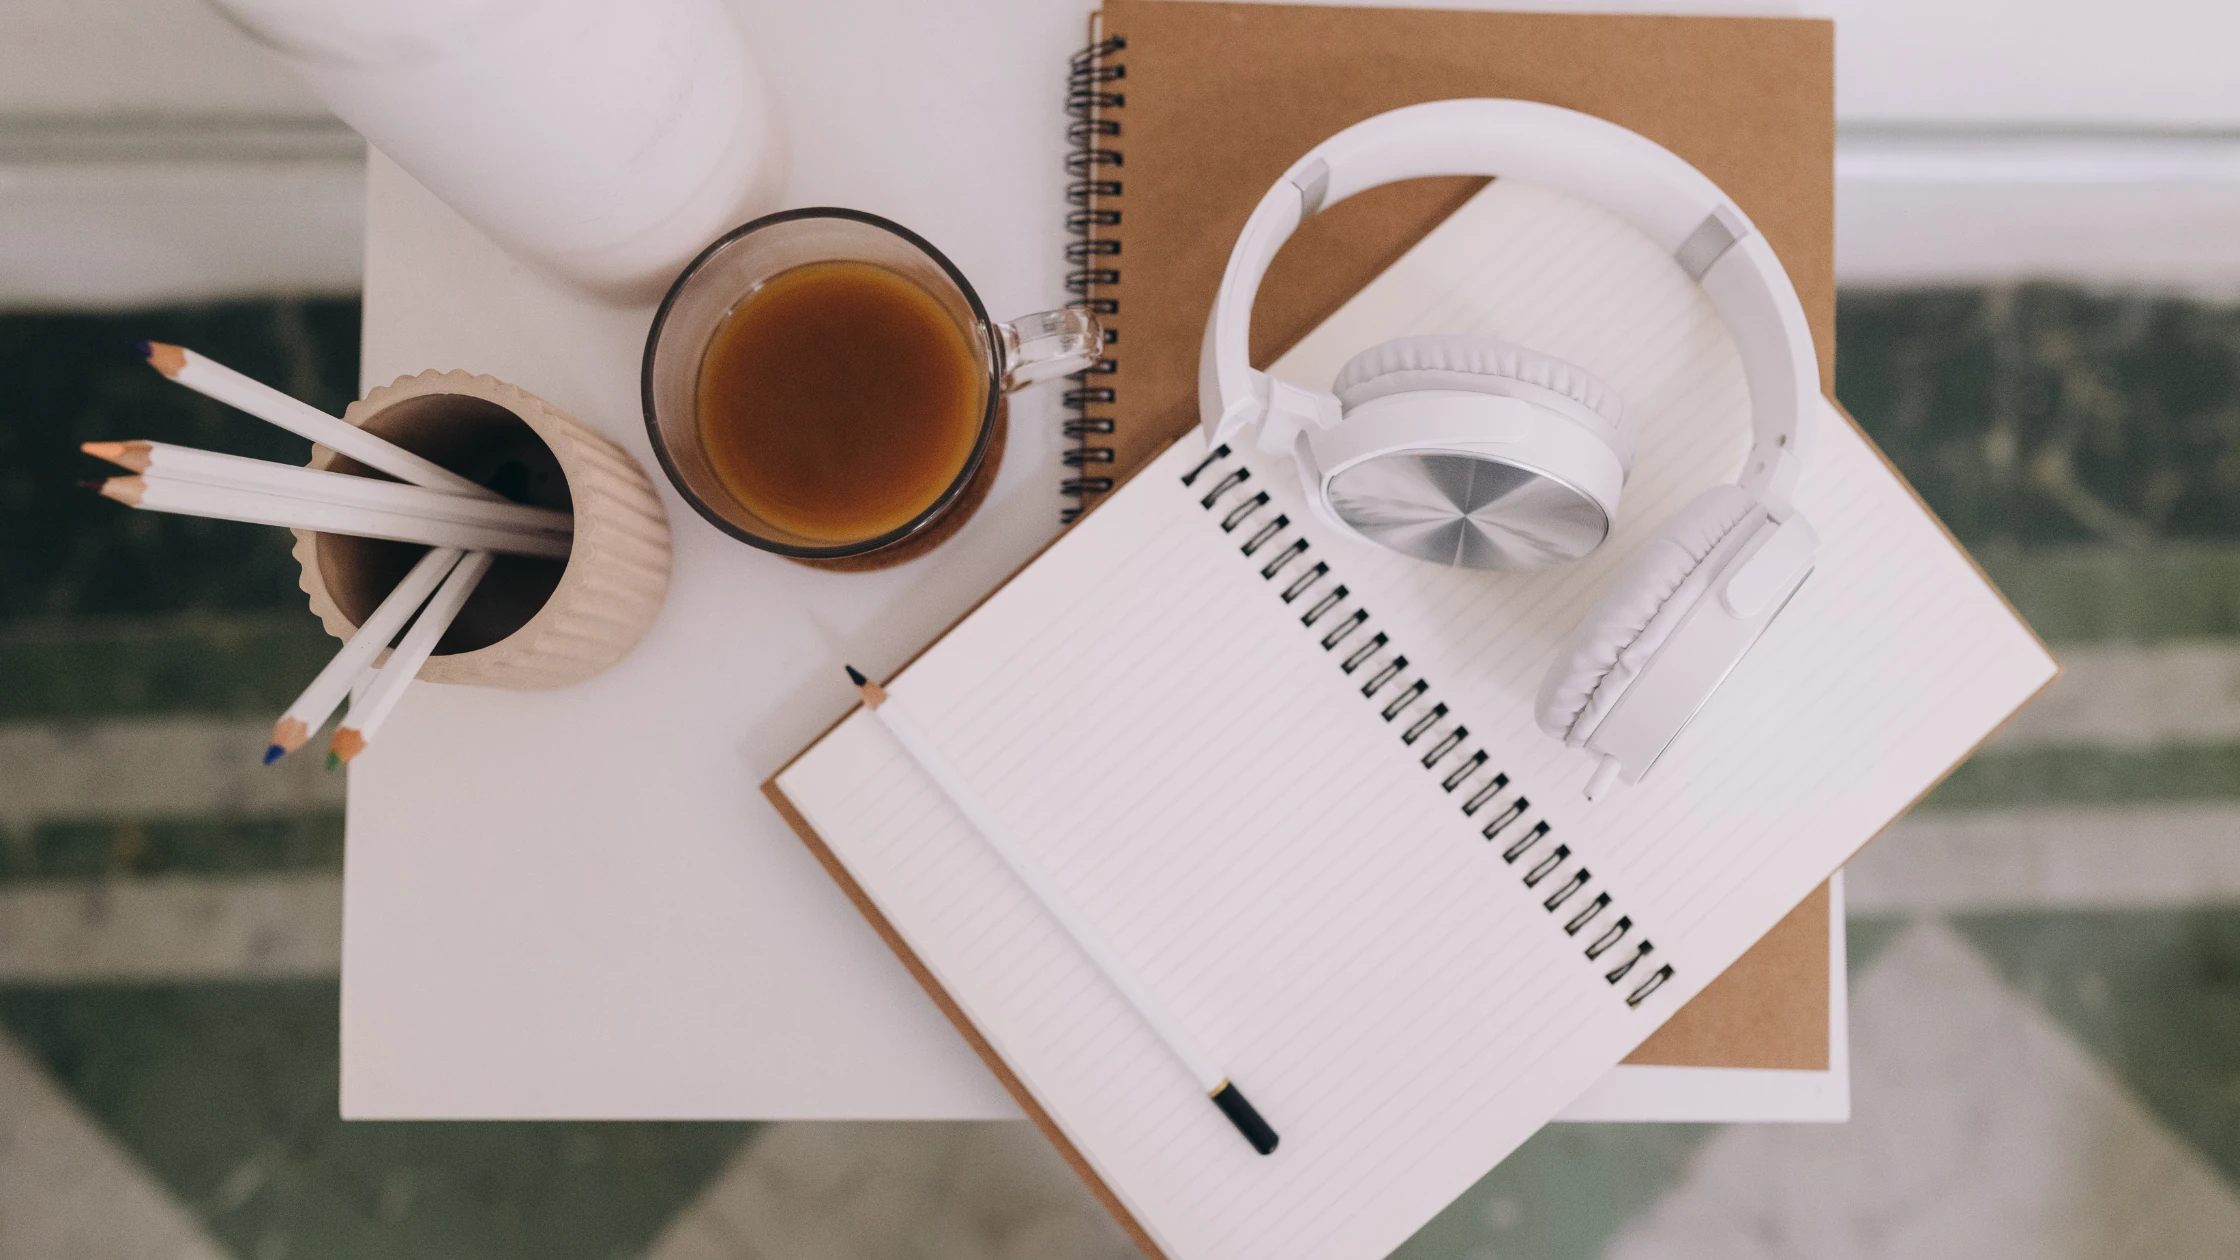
111,213
144,233
2140,211
119,217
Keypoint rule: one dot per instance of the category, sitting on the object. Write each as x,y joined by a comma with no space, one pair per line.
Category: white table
576,903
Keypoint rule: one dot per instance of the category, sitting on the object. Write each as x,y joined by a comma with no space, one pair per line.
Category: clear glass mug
1009,355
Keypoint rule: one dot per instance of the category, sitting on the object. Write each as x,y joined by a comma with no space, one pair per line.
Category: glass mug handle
1048,345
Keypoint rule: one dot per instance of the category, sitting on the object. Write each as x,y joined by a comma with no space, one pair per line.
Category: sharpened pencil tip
874,695
273,752
92,483
125,490
347,744
288,734
334,762
167,359
141,347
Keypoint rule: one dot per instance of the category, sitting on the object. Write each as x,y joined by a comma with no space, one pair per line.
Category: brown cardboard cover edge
955,1014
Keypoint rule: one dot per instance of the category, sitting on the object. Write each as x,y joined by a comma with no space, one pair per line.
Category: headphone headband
1651,187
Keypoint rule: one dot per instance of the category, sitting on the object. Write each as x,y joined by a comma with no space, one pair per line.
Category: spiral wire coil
1484,794
1093,97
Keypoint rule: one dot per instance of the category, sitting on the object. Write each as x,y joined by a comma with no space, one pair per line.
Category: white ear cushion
1451,361
1642,585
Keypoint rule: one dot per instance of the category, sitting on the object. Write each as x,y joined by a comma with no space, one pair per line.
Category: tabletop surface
576,903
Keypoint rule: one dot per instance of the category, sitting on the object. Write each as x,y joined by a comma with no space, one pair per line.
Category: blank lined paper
1276,867
1287,862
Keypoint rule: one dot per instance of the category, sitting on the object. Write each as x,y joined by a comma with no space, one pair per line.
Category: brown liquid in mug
839,400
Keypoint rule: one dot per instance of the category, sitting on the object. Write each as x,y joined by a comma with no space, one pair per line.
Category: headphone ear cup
1572,696
1449,361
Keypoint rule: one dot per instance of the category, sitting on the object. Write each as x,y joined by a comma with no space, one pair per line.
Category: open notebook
1323,827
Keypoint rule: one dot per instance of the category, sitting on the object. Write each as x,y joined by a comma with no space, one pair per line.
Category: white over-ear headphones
1483,454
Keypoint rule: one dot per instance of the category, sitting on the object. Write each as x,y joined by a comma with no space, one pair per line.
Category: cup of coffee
824,384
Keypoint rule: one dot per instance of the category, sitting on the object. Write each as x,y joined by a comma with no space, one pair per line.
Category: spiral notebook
1296,782
1184,113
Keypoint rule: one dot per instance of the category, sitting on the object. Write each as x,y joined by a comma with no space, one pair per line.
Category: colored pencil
357,699
380,700
349,665
1179,1042
258,507
185,464
215,380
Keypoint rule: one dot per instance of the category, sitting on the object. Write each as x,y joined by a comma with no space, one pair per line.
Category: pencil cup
531,623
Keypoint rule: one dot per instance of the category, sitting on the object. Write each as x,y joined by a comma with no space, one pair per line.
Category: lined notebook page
1274,863
1272,852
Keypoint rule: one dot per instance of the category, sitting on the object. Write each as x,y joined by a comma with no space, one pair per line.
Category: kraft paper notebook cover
1185,112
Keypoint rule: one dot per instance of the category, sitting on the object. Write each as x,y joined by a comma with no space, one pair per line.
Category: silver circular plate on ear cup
1468,511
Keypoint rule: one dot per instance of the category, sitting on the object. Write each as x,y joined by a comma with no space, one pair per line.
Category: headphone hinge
1770,477
1292,412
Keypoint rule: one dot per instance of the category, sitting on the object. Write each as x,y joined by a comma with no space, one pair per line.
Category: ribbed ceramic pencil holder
531,623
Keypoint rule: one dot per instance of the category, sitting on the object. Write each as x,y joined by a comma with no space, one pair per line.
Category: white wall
136,57
1987,140
149,152
2048,63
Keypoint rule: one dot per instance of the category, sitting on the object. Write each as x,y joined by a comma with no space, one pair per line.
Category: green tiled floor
66,379
2045,415
2155,996
227,1093
59,668
2094,775
2097,593
1563,1193
173,846
2087,447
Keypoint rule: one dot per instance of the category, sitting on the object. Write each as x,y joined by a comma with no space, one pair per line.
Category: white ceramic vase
603,140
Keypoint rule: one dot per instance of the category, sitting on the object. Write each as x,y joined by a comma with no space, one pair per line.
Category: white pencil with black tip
1178,1040
163,461
215,380
347,668
419,643
257,507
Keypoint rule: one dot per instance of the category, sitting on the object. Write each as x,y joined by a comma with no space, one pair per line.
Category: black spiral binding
1092,270
1403,697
